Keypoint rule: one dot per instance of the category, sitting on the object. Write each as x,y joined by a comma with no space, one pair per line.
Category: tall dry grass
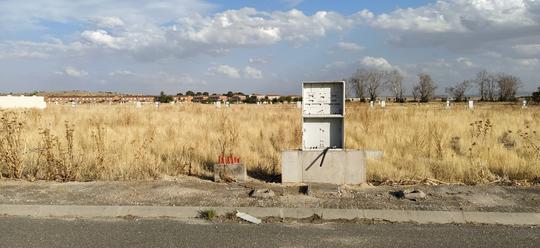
102,142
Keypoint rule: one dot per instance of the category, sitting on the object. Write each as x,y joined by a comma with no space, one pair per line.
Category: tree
491,88
205,93
481,80
179,94
375,82
229,94
394,82
415,93
508,86
251,99
458,91
536,96
190,93
358,84
164,98
425,88
368,81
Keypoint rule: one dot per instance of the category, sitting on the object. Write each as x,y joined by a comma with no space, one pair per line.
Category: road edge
177,212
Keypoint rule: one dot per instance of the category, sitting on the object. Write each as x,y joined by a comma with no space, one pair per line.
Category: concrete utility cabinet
323,111
322,158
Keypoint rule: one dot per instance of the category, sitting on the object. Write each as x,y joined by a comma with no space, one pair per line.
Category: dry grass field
119,142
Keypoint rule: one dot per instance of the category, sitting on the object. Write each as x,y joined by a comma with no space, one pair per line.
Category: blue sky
259,45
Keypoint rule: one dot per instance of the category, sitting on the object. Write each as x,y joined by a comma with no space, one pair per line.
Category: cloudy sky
264,46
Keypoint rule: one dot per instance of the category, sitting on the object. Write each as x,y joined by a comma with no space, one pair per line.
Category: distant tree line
369,84
163,98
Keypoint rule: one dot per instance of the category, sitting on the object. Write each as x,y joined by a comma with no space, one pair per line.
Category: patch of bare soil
190,191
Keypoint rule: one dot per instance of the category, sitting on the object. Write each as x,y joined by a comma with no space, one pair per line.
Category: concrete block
230,173
333,166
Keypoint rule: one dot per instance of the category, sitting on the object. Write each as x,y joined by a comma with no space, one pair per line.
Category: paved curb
423,217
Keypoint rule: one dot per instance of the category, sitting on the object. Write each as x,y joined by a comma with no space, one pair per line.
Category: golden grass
120,142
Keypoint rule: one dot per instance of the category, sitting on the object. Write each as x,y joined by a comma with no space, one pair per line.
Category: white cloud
460,16
335,64
225,70
527,49
214,35
249,27
102,38
525,62
37,50
465,61
121,73
463,25
181,79
376,63
252,73
108,22
72,72
349,46
17,15
257,61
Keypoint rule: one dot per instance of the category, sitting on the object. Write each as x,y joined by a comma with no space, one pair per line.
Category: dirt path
188,191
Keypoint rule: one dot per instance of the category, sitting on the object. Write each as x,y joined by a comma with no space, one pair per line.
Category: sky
259,46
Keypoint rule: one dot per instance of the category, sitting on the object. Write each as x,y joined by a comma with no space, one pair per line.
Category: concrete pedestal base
230,173
332,166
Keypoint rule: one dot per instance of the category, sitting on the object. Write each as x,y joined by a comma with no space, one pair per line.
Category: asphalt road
29,232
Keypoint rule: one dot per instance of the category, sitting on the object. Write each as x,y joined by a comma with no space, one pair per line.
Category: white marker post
371,104
227,104
447,104
524,104
471,104
73,104
138,105
383,104
157,104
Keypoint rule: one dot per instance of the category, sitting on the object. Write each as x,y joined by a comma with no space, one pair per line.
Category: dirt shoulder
189,191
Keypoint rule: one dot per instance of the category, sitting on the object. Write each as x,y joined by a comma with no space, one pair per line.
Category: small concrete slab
230,173
324,166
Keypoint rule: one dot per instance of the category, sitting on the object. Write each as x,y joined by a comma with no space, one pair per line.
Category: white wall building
11,102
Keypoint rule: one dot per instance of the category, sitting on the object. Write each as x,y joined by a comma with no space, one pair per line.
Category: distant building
200,98
218,98
183,98
99,98
273,97
259,96
238,98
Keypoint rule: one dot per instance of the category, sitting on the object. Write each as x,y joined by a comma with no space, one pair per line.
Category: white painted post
383,104
524,104
371,104
138,104
471,104
73,104
157,104
227,104
447,104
